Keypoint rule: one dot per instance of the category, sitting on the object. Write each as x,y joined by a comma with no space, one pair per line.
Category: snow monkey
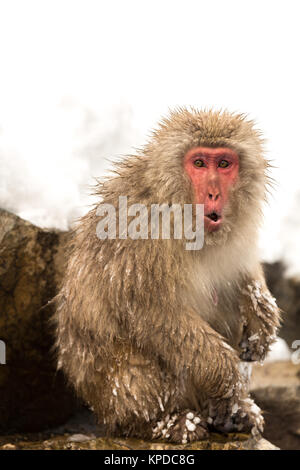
154,336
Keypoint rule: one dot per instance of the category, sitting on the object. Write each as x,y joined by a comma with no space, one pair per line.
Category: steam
49,185
83,82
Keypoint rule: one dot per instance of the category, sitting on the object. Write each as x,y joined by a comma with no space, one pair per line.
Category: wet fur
138,332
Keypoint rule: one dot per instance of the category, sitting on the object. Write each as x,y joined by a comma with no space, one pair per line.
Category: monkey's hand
260,316
235,415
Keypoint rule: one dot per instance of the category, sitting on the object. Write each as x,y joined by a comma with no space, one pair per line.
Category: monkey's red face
212,172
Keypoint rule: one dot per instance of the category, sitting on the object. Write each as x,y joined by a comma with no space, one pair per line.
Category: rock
287,292
80,438
275,388
32,395
216,442
82,432
281,407
8,447
263,444
275,374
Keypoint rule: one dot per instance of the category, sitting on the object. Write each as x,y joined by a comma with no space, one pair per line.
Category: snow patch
279,351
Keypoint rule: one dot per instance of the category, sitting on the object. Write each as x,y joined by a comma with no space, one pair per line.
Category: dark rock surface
287,293
32,396
276,389
90,441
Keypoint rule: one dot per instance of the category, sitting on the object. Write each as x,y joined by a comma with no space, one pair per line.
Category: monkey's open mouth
213,216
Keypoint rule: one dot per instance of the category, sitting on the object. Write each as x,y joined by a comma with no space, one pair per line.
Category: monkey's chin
218,236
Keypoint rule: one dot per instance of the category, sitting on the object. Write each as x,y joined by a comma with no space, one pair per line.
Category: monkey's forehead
211,151
207,128
185,129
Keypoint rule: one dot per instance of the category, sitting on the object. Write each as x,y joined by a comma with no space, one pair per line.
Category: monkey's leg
261,318
139,398
130,393
213,369
209,363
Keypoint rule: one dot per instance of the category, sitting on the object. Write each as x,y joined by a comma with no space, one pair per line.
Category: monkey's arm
260,317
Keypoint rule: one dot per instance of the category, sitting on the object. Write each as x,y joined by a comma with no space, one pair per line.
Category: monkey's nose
214,195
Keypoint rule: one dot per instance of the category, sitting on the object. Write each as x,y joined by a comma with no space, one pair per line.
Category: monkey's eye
199,163
223,164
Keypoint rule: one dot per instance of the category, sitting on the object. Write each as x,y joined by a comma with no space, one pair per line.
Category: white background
82,82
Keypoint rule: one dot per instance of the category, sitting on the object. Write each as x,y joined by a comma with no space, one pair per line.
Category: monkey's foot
233,415
181,428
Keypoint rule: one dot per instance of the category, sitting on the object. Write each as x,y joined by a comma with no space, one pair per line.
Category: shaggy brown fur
150,334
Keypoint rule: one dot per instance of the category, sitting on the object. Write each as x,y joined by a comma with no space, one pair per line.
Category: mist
83,82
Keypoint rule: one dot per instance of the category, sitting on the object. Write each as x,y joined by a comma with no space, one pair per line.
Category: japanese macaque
152,335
